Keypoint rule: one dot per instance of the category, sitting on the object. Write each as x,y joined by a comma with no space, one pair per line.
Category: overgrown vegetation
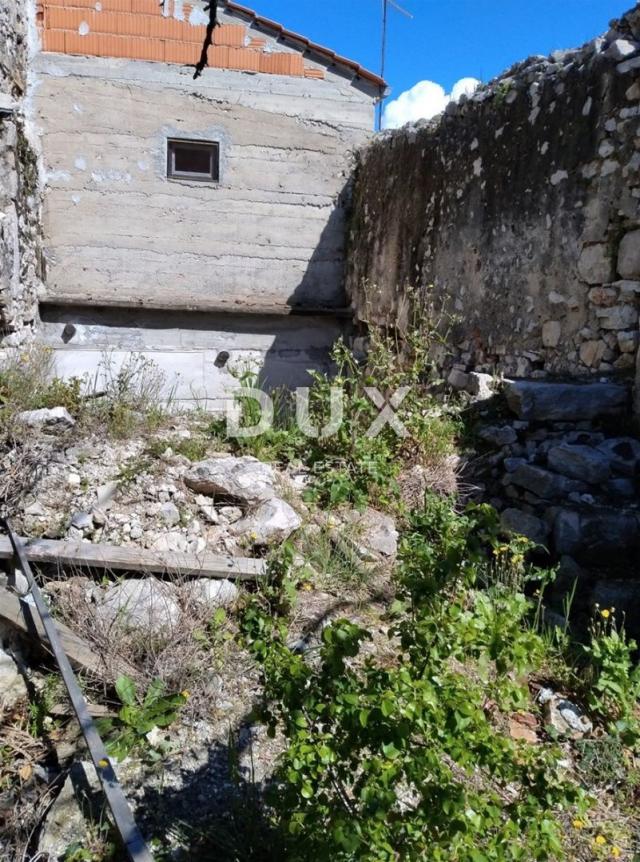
411,758
353,463
125,397
138,716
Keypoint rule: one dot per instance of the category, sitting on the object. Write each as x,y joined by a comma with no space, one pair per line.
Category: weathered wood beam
24,616
116,558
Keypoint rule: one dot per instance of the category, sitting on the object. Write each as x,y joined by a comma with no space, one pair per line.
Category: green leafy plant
613,689
401,758
128,731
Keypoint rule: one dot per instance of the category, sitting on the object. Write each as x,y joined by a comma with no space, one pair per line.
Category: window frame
212,178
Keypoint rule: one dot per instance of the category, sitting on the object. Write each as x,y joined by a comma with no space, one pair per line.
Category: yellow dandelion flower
616,852
579,824
600,840
185,694
605,614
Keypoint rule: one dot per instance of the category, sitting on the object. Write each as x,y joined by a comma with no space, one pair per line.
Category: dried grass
184,654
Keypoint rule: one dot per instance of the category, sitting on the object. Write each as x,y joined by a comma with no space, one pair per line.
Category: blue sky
447,39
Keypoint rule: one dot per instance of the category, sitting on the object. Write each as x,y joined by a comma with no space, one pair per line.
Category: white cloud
423,101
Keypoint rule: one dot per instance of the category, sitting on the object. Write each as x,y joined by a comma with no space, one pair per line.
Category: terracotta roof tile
306,43
138,29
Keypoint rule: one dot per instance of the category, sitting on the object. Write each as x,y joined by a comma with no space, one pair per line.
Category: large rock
580,462
563,715
74,814
498,435
48,419
629,255
211,593
544,483
623,453
271,521
517,521
565,402
245,479
140,603
12,685
594,264
598,536
373,534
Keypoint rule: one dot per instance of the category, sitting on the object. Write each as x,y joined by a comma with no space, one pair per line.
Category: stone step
540,401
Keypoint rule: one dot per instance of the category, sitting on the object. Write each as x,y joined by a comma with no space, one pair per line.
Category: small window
193,160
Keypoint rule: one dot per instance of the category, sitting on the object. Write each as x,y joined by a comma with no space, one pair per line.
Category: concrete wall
516,213
200,355
271,234
229,260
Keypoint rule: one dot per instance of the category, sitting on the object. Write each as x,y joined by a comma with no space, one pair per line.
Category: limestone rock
565,402
621,49
481,386
82,521
624,454
591,352
551,331
629,255
594,263
502,435
565,717
140,603
12,685
544,483
597,536
517,521
173,543
245,479
69,819
271,521
212,593
628,341
373,534
617,317
604,297
458,379
170,514
580,462
48,419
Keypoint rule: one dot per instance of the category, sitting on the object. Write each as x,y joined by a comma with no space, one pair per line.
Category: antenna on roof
383,54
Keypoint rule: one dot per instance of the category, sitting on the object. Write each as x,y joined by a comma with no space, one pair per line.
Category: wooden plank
116,558
26,618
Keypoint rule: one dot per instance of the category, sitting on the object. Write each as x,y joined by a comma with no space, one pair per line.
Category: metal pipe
132,839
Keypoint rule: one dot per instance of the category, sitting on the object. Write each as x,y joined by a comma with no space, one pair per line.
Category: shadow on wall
321,293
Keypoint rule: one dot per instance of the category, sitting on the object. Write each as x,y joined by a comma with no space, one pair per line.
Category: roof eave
334,59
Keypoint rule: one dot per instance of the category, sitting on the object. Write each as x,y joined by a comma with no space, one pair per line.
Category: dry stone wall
20,259
517,214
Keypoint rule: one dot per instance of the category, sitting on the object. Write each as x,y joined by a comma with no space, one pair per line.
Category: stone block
617,317
545,483
551,331
594,264
580,462
629,256
517,521
565,402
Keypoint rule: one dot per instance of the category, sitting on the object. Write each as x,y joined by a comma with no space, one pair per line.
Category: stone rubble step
541,401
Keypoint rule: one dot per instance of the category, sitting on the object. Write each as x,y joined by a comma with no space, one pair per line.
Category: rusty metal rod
132,839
